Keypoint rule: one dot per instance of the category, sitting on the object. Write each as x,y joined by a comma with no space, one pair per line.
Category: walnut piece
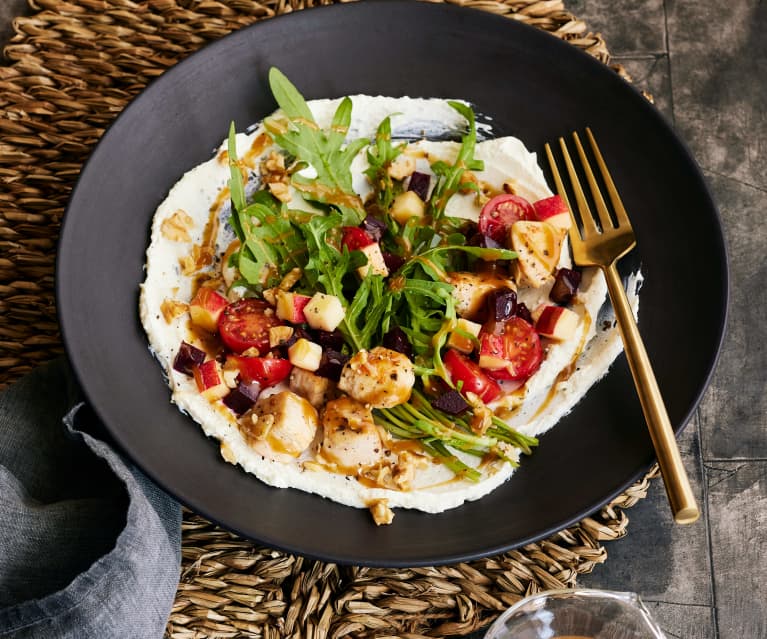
382,514
176,228
171,309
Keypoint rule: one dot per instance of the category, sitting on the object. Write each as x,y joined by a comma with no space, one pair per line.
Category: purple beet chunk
393,262
565,286
329,341
451,403
501,304
187,357
419,184
397,340
373,227
331,364
241,399
523,312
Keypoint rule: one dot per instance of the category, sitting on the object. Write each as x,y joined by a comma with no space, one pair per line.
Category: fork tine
587,219
558,183
620,213
599,201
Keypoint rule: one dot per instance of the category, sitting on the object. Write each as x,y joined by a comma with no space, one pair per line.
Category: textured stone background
706,64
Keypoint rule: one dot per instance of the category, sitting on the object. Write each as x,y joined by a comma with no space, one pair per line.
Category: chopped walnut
291,279
210,281
401,167
483,416
510,187
270,295
380,474
201,256
281,191
228,454
382,514
176,228
171,309
274,163
404,471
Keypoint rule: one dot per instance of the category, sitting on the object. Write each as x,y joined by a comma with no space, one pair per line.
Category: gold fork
602,245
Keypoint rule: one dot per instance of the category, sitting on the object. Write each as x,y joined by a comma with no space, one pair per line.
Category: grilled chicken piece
280,426
538,245
310,386
350,437
380,377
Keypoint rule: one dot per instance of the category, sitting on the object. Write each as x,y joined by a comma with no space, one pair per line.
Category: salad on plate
357,304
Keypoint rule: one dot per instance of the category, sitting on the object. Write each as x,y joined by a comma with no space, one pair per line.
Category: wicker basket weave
73,66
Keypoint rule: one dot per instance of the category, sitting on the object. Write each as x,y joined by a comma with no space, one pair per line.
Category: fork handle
680,495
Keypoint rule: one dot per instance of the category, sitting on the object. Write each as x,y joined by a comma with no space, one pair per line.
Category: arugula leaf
236,186
449,176
270,246
380,157
296,131
273,244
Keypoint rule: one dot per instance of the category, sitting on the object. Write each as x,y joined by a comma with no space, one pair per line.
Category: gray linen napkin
89,547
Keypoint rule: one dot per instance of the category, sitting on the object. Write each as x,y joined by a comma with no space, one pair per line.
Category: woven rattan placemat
73,66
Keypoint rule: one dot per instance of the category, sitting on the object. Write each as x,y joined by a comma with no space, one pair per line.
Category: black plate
534,87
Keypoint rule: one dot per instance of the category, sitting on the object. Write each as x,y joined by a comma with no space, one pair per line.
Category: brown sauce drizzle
568,370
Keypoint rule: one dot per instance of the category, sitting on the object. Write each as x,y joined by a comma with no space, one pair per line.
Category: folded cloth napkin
89,547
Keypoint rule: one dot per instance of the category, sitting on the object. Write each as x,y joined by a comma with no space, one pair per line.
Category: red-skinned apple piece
554,211
290,307
206,307
210,380
557,323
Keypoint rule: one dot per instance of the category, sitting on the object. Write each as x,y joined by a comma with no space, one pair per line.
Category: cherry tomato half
245,324
355,238
473,378
512,352
500,213
266,371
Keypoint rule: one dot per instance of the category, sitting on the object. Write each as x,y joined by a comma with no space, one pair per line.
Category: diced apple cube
290,306
557,323
376,261
305,354
279,335
324,312
210,380
206,307
460,342
407,205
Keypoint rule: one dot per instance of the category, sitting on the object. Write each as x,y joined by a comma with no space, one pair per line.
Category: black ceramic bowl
534,87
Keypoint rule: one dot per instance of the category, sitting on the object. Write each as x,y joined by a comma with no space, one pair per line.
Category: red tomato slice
245,324
355,238
512,353
474,379
266,371
500,213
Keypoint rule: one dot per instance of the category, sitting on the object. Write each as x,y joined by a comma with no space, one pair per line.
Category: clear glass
577,614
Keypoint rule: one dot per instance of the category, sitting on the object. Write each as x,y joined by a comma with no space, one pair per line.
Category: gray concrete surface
706,64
